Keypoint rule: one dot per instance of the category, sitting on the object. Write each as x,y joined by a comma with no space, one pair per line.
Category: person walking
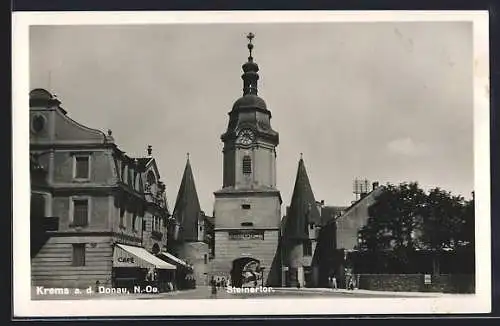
334,282
214,288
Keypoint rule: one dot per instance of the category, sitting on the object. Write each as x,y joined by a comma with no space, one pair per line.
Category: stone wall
228,250
450,283
196,254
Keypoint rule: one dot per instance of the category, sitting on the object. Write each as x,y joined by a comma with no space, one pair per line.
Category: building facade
247,208
338,237
89,202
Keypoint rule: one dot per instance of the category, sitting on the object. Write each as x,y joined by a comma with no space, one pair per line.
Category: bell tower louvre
247,209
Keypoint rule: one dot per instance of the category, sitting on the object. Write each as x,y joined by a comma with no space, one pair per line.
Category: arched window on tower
247,165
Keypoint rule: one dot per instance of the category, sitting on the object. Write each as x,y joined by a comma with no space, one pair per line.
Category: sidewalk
371,292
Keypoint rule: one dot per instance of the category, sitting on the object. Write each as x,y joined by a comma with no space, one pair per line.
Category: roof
250,101
374,192
329,213
143,161
303,209
187,208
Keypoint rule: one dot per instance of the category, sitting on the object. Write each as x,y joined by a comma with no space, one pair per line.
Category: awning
128,256
174,259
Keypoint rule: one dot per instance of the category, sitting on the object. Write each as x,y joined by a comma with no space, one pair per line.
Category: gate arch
246,271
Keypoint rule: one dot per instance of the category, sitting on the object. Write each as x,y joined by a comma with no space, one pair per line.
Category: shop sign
126,260
246,235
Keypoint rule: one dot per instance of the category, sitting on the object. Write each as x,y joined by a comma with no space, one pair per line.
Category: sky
387,102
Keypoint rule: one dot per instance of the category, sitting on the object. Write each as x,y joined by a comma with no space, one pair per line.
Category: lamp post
262,275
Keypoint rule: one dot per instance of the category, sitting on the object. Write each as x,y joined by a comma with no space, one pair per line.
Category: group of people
219,282
350,285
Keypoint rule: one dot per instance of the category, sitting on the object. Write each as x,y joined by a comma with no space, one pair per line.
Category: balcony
156,235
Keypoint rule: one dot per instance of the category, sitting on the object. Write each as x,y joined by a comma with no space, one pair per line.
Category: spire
250,69
150,150
302,209
187,206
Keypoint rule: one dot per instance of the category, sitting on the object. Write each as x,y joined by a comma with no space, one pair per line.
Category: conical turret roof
302,210
187,208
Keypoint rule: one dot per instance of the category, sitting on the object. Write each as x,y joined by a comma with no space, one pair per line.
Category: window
122,215
80,212
247,165
79,254
247,224
245,206
134,221
307,248
201,228
206,258
143,225
156,223
82,167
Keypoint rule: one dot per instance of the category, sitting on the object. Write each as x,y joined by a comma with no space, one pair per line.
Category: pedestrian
334,282
214,288
351,283
223,283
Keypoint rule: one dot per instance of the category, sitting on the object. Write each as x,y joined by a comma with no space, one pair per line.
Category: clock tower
247,208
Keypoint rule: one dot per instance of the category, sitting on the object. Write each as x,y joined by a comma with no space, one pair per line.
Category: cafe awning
174,259
129,256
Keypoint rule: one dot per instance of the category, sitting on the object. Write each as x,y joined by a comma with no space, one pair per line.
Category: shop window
79,254
247,165
82,167
80,212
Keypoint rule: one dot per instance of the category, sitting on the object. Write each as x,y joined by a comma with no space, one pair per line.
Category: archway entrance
246,272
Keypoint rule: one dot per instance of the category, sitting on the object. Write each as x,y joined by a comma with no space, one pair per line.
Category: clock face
246,137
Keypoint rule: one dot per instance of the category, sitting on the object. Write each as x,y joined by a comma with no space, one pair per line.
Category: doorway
246,272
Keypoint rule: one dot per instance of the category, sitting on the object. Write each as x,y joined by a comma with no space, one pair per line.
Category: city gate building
247,209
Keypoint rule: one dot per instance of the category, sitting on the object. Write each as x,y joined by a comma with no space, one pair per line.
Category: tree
442,223
405,219
395,218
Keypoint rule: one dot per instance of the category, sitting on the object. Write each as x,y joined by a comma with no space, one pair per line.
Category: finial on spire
187,155
150,150
301,154
250,70
250,37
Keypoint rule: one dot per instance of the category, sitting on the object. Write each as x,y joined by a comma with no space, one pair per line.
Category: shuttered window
247,165
81,167
79,254
80,212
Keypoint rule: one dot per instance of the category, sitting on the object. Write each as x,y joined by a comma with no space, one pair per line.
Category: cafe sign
122,258
246,235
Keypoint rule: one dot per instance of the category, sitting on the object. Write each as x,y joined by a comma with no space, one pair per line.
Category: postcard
251,163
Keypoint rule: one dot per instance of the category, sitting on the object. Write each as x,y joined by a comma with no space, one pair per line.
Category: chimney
375,185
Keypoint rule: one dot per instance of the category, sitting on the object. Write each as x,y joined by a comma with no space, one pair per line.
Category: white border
24,306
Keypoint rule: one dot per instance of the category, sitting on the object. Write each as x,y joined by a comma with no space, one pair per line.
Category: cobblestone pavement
204,292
